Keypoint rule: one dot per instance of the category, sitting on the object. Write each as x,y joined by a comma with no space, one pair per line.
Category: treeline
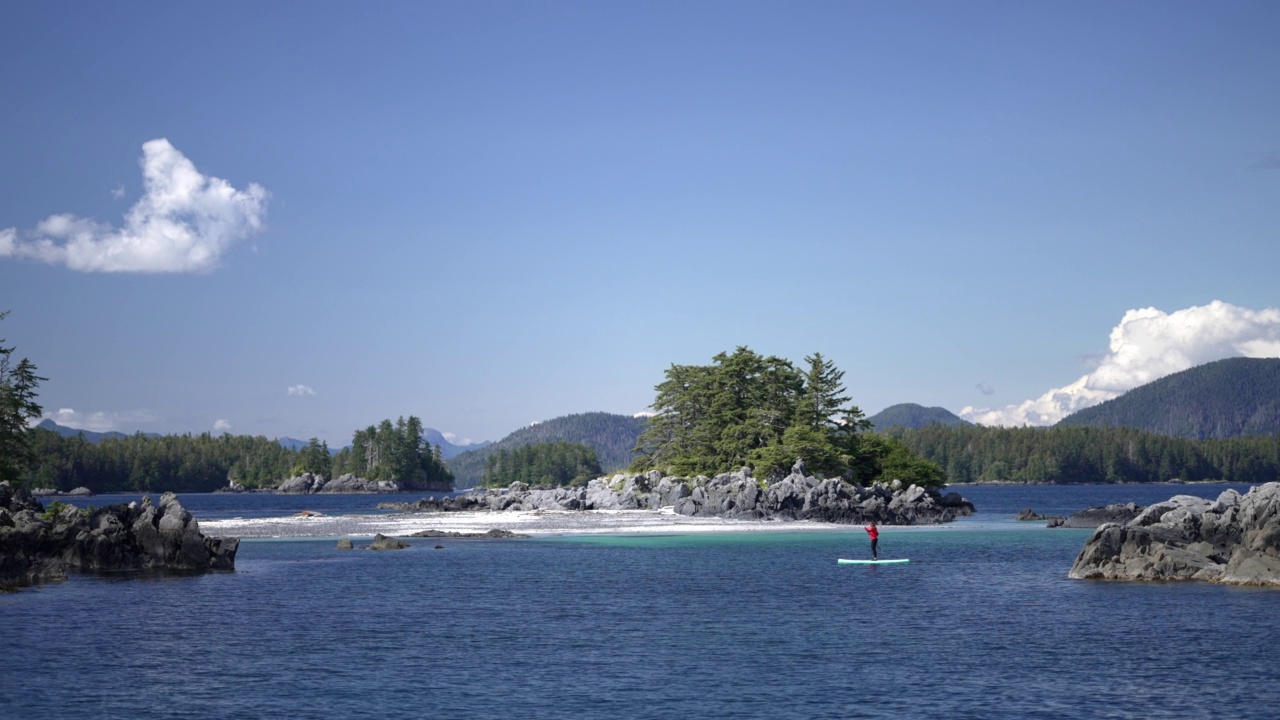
205,462
748,410
140,463
1070,454
553,464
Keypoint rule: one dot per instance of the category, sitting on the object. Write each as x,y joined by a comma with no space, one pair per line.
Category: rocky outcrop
1096,516
343,484
382,542
1029,515
734,495
1234,540
38,545
494,533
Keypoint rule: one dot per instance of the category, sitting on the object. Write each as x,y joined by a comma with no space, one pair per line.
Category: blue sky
301,218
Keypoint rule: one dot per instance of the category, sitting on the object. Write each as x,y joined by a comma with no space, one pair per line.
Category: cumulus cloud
184,222
1147,345
221,425
301,390
455,440
129,421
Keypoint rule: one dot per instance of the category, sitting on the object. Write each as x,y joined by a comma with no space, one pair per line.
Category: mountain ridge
1223,399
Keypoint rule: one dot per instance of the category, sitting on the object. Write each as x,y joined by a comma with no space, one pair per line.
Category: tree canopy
394,452
18,383
553,464
747,409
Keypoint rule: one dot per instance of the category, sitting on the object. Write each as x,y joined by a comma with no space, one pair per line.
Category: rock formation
1029,515
1096,516
1234,540
734,495
37,546
382,542
311,483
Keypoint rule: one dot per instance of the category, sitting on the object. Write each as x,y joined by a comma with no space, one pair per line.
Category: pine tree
18,383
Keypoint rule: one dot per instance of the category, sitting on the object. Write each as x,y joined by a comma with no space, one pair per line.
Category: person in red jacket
875,538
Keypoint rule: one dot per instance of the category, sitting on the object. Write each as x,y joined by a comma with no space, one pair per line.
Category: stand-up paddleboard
843,561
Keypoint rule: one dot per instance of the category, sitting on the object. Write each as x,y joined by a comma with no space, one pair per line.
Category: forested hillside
612,436
553,464
1089,455
911,415
1224,399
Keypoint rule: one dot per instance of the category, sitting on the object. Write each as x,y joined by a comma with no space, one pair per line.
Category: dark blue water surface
983,623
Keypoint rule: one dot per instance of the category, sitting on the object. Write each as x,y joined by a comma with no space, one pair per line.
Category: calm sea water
981,624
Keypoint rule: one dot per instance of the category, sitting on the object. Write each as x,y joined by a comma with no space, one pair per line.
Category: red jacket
873,531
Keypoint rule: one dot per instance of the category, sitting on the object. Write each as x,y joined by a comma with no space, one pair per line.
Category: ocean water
982,623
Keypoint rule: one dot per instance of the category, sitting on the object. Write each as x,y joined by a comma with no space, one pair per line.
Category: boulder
1096,516
1233,540
382,542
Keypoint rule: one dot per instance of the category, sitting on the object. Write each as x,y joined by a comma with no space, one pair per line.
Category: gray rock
137,536
382,542
1233,540
1096,516
729,495
345,544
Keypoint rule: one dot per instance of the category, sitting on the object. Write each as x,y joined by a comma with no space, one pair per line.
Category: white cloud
117,192
455,440
1147,345
221,426
129,421
184,222
301,390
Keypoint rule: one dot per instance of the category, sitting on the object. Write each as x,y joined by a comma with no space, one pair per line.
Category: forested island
387,452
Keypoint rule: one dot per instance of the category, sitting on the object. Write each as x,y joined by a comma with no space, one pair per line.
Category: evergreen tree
18,383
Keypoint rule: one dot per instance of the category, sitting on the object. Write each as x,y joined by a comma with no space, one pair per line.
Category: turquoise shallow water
981,624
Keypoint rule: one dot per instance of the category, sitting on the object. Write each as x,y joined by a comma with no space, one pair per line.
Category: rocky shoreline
734,495
1233,540
39,545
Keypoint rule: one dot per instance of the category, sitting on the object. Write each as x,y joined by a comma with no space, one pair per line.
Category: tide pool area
982,623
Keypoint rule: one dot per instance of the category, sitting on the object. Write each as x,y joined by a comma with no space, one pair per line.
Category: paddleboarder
875,539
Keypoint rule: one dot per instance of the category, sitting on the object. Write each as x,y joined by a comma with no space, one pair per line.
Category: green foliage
179,463
613,437
18,383
53,509
394,452
314,458
1070,454
553,464
745,409
1224,399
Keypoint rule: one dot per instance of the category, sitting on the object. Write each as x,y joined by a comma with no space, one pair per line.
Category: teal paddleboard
843,561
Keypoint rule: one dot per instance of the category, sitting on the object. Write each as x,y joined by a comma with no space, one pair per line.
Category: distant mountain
292,443
1224,399
612,436
913,417
448,449
89,435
